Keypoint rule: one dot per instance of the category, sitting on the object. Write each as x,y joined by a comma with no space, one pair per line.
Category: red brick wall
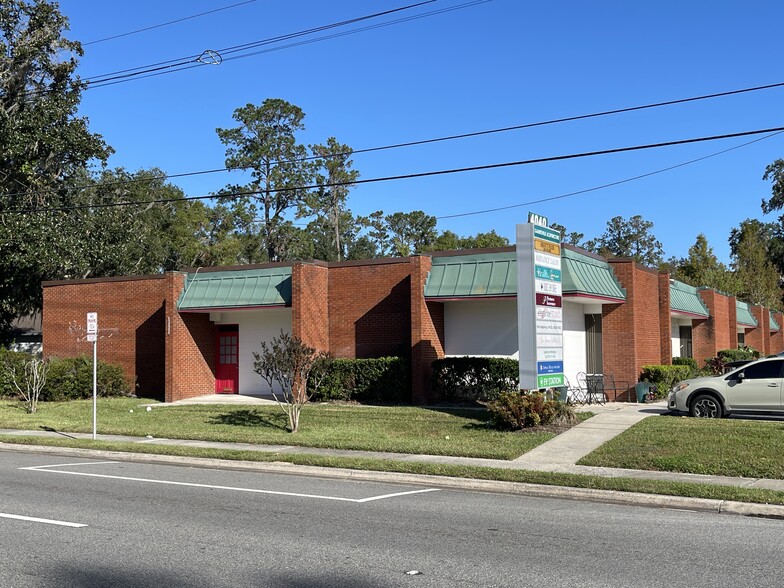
132,306
190,347
732,312
370,309
665,332
310,305
718,332
427,332
777,337
759,337
631,332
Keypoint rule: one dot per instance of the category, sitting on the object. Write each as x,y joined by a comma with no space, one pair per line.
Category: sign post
92,335
539,305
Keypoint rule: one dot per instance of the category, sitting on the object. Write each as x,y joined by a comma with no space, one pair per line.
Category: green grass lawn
724,447
456,432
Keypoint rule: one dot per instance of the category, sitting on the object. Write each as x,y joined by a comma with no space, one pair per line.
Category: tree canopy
630,237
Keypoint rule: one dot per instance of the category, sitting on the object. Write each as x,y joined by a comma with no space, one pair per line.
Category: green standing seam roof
237,289
582,274
743,314
774,326
684,298
495,274
488,274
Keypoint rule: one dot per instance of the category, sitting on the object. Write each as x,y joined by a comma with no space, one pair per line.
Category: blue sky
496,64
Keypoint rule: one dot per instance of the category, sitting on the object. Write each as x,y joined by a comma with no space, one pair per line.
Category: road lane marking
37,520
62,465
383,496
212,486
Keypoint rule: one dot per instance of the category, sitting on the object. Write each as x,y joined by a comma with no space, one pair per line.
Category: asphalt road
167,526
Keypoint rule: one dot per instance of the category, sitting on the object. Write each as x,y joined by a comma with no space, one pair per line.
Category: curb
470,484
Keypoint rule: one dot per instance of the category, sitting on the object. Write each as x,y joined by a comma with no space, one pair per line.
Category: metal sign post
92,335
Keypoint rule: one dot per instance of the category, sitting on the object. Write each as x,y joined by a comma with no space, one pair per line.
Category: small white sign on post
92,336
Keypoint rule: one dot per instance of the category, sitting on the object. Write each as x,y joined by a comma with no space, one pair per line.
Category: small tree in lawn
287,361
28,380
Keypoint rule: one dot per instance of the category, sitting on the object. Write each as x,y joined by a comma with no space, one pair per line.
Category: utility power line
610,184
554,158
442,138
165,24
98,81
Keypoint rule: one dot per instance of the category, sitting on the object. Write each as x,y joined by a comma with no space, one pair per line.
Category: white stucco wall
481,328
254,326
489,328
574,339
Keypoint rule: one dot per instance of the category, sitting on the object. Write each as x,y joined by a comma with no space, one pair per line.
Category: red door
227,378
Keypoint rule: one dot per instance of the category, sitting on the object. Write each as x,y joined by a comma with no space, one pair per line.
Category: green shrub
736,354
664,376
517,410
474,378
383,379
11,362
71,378
689,361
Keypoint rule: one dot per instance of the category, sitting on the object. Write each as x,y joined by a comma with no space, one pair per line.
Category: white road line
37,520
62,465
211,486
382,497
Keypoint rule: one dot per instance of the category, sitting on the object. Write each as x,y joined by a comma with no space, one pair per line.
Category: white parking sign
92,323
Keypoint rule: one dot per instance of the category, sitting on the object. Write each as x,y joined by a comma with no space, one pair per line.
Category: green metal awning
237,289
774,326
495,274
465,276
743,315
684,299
587,276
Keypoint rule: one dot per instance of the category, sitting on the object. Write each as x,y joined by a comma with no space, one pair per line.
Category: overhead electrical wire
98,81
442,138
610,184
554,158
165,24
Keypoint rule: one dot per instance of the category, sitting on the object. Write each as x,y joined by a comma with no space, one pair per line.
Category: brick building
186,334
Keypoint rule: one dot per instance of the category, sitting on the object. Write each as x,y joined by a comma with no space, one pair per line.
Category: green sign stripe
550,380
547,234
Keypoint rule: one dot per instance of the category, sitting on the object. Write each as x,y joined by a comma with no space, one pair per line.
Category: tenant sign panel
539,305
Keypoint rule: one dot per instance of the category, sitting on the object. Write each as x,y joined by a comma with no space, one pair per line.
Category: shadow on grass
51,430
250,418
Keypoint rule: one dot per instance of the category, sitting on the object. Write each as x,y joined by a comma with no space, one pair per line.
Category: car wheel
706,407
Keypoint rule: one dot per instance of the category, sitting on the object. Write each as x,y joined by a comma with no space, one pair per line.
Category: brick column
190,347
759,337
310,304
777,337
708,336
631,332
733,322
427,334
665,323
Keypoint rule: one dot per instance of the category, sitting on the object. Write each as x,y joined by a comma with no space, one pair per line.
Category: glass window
741,339
763,370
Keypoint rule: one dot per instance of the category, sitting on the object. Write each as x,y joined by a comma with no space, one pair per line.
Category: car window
763,370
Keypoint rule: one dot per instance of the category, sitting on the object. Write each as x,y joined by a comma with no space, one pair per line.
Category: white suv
754,387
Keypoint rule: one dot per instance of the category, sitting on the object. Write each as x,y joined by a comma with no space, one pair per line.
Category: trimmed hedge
515,410
665,376
383,379
70,378
689,361
474,378
737,354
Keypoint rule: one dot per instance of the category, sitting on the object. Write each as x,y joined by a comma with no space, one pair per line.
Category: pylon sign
539,305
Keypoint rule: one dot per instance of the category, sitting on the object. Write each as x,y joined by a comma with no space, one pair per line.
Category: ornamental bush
11,362
689,361
737,354
474,378
664,376
382,379
518,410
71,378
